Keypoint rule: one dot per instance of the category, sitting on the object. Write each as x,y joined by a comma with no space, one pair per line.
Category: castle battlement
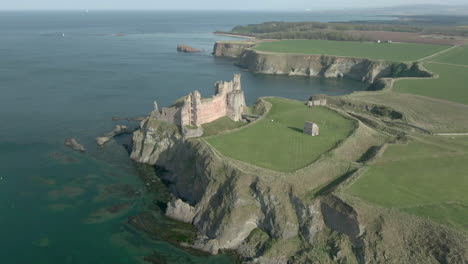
193,110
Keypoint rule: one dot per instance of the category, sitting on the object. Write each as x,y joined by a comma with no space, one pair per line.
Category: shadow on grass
330,187
296,129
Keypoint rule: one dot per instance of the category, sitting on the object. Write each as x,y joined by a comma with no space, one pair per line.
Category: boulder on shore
187,49
73,144
180,211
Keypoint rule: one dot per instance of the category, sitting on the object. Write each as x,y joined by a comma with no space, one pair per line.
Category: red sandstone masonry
194,111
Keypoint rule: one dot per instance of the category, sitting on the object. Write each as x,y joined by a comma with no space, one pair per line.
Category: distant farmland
371,50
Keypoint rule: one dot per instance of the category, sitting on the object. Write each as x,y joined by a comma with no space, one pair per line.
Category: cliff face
232,49
315,65
360,69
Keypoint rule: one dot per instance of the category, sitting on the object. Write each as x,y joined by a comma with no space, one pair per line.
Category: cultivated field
452,68
451,84
457,56
427,177
371,50
277,141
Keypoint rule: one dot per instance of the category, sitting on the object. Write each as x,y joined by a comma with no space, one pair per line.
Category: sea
78,74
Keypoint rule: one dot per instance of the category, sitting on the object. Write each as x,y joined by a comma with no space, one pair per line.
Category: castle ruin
193,110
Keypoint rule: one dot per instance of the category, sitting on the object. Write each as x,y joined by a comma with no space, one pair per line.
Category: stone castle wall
208,110
195,111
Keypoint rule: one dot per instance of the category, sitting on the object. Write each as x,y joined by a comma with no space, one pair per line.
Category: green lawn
277,142
383,51
427,178
457,56
451,85
220,125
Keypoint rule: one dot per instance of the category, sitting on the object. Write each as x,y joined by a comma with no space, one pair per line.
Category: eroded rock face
232,49
181,211
360,69
186,49
118,130
153,139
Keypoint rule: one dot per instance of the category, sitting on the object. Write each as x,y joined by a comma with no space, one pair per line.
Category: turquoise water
66,74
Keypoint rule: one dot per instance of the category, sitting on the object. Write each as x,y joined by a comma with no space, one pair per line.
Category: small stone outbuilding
318,102
311,128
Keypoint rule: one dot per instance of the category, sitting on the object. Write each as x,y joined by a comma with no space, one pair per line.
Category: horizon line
310,10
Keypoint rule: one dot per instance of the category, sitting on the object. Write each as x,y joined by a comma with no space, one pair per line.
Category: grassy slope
384,51
451,84
426,177
220,125
457,56
432,114
280,145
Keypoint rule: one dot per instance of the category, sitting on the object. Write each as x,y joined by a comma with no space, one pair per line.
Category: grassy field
277,142
457,56
427,177
220,125
451,84
383,51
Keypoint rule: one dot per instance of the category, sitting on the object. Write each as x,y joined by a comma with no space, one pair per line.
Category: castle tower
235,100
237,82
195,103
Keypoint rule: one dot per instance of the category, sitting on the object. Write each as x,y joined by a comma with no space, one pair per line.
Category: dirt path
459,65
439,53
451,134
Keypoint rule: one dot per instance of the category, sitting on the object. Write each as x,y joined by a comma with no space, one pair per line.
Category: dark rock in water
187,49
62,158
73,144
117,118
118,130
120,191
118,208
108,213
155,258
156,227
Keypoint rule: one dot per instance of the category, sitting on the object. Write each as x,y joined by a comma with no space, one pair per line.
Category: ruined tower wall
195,111
208,110
171,115
235,105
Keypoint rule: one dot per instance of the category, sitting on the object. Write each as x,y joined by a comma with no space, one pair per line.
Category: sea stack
186,49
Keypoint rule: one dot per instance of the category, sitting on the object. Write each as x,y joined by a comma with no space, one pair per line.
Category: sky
282,5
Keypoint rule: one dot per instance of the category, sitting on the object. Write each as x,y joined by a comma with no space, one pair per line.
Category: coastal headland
258,185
